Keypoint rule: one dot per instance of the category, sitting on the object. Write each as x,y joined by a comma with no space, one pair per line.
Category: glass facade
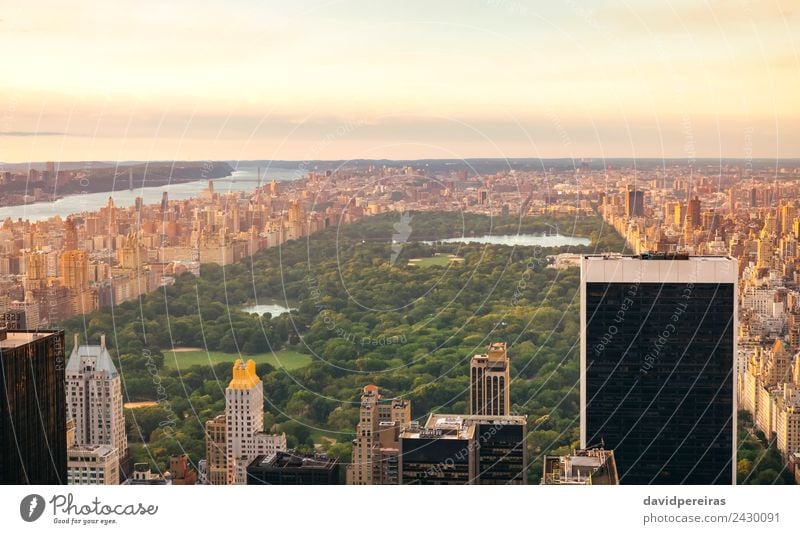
33,435
659,379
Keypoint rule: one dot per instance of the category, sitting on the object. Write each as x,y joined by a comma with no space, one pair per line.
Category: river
243,179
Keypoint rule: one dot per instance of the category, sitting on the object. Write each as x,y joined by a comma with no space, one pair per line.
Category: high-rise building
694,212
658,348
489,382
94,398
75,269
634,203
787,215
92,465
289,469
679,214
70,235
464,449
244,420
217,453
377,442
33,416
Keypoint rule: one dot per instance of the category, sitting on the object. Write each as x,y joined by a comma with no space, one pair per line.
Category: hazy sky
399,79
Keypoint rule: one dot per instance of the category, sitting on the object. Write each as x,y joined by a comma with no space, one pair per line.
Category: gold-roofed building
244,375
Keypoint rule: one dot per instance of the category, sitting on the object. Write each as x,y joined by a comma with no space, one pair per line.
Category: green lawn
440,261
286,358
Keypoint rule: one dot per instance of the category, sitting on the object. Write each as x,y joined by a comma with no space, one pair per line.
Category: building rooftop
103,362
441,427
583,467
435,418
17,338
289,460
655,256
244,375
99,451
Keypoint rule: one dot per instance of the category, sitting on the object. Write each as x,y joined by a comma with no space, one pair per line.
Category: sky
343,79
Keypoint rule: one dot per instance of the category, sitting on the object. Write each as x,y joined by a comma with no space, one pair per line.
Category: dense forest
364,317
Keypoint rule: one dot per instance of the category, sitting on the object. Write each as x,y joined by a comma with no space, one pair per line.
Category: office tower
658,350
694,212
501,454
33,415
244,418
94,398
584,467
289,469
92,465
377,442
489,382
464,449
217,452
634,203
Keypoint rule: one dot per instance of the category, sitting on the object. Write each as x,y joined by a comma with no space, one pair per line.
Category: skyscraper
75,269
694,212
244,411
33,416
489,382
658,349
244,419
634,203
464,449
377,442
94,398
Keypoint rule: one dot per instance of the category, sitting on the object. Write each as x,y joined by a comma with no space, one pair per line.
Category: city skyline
354,80
343,242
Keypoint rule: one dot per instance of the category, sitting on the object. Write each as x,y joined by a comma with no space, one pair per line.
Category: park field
438,260
186,358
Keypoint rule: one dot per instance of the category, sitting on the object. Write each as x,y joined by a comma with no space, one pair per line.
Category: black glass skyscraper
658,374
33,436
